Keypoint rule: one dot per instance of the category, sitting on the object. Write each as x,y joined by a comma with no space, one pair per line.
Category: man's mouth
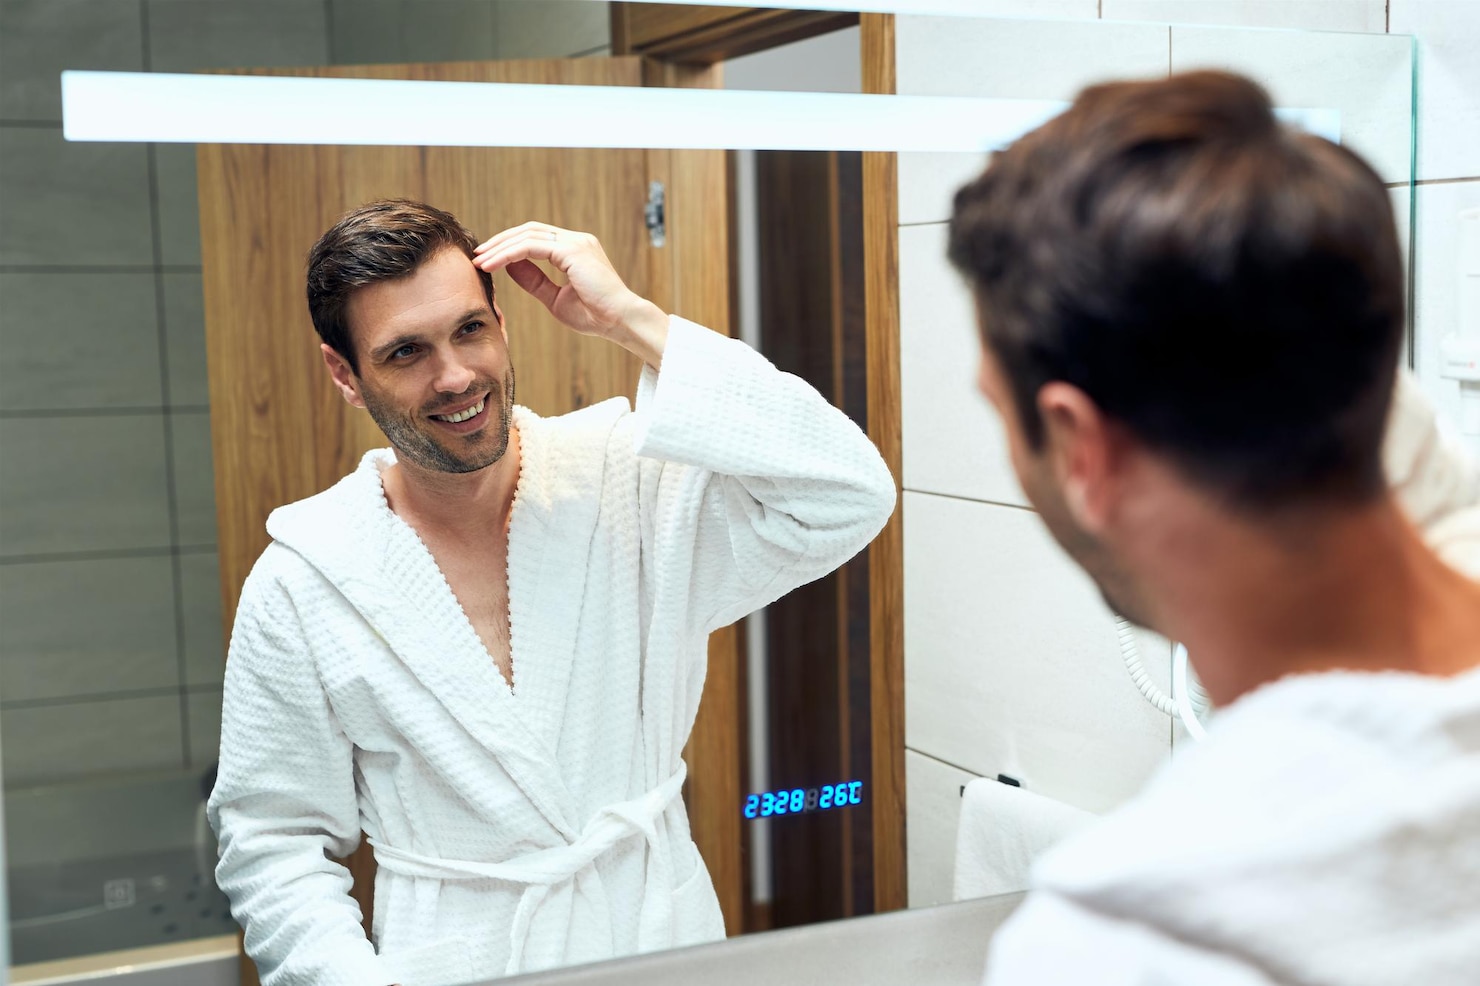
463,415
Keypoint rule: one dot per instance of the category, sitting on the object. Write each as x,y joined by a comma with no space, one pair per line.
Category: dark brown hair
1228,288
380,241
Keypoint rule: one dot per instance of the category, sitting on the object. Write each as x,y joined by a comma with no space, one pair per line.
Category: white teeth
473,411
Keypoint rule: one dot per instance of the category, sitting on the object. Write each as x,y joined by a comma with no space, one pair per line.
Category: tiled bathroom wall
1011,660
111,642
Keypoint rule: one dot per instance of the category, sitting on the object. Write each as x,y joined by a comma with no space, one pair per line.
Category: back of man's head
1228,289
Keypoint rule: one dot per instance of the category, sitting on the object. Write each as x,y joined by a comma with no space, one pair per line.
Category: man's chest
479,581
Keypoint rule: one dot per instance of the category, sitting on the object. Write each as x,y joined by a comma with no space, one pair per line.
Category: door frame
679,38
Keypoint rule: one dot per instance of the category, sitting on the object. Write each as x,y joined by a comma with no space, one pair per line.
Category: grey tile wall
193,35
39,38
378,31
195,491
178,204
78,340
203,632
71,205
60,742
185,332
113,632
203,718
83,484
550,28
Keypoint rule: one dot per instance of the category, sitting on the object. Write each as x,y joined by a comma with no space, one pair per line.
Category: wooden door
280,431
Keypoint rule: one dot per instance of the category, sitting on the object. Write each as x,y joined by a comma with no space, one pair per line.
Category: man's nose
453,375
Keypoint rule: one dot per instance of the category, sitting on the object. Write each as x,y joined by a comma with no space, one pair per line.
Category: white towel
1003,830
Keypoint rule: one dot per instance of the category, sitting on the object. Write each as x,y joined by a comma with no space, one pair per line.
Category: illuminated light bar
142,106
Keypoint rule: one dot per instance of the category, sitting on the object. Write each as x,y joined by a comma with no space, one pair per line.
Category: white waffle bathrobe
523,829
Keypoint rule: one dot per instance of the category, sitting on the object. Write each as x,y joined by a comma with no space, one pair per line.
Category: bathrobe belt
546,869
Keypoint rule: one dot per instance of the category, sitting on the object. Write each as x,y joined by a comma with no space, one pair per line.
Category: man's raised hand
593,301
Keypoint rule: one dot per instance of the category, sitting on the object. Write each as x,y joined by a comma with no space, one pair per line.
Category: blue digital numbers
800,801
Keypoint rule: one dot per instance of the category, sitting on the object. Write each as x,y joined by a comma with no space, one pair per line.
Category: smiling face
434,369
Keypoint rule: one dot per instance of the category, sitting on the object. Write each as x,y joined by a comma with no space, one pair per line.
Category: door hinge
653,213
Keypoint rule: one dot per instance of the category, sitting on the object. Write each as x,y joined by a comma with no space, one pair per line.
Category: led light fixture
142,106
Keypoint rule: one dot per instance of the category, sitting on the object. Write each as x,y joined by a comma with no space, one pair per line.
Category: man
485,647
1191,319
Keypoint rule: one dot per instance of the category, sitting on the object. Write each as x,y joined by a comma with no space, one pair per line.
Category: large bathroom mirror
161,390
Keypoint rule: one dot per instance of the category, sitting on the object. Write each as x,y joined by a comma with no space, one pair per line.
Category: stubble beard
410,434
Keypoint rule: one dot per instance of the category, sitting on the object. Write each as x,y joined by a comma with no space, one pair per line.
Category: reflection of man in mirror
1191,320
485,647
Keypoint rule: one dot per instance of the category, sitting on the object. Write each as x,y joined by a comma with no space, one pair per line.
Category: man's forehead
439,292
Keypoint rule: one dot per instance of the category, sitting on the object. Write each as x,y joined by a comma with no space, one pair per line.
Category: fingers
529,277
532,241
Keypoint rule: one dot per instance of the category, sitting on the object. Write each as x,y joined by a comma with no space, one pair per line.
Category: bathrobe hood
1327,832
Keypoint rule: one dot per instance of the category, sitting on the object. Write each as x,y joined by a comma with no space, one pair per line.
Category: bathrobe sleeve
1052,941
1437,483
284,800
754,484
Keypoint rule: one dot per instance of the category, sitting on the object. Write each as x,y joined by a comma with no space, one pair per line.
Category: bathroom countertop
943,946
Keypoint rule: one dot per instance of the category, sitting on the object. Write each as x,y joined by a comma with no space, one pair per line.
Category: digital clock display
799,801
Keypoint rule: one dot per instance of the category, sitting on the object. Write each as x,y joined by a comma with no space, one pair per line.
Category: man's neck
462,505
1352,589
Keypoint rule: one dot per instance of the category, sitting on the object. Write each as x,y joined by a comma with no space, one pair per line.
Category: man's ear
344,377
1086,453
503,323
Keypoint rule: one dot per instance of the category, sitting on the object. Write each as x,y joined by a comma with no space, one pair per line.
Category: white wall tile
951,56
1368,78
830,62
1448,34
1437,284
953,439
1037,9
72,341
126,641
195,35
1367,16
928,183
40,38
932,816
1011,60
1011,659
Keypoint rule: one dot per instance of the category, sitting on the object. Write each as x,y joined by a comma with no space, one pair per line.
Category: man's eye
404,352
471,327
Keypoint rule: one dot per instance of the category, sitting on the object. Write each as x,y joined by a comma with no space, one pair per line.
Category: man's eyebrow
379,352
471,315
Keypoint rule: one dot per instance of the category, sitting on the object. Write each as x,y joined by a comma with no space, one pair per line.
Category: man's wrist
645,332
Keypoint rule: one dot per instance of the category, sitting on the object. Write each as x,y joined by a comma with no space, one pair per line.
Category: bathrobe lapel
380,566
563,465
